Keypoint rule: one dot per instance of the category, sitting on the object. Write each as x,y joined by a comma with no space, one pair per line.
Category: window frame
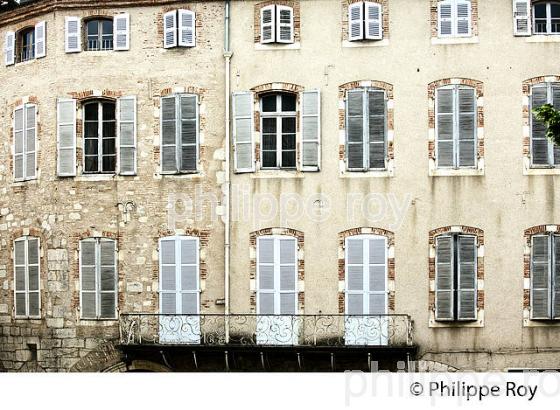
25,177
26,265
552,314
454,19
100,102
100,34
548,18
275,24
21,45
550,100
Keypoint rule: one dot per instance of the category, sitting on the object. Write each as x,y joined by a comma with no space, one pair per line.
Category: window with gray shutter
25,140
98,278
179,27
179,134
121,33
456,278
27,291
456,127
66,137
10,48
544,153
311,130
366,129
365,21
243,143
545,276
73,35
126,129
277,24
454,18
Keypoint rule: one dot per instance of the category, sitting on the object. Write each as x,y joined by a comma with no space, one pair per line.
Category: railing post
314,330
226,323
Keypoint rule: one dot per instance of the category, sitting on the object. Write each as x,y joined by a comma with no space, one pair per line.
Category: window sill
540,323
27,319
277,46
95,177
23,63
193,175
365,43
97,322
26,182
540,38
457,324
386,173
454,40
540,171
471,172
277,174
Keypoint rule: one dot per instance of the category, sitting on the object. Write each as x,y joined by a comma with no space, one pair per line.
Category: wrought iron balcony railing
271,330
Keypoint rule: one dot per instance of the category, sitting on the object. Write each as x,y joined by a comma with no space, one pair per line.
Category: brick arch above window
294,4
434,18
384,17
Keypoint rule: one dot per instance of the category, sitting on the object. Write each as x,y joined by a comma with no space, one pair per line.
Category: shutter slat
73,38
268,24
170,29
355,141
88,263
467,127
540,277
444,128
127,135
121,35
373,21
189,132
66,131
444,278
187,28
19,143
377,129
356,21
467,278
521,18
30,141
311,130
445,18
244,157
539,142
285,24
463,18
40,39
169,134
10,48
556,276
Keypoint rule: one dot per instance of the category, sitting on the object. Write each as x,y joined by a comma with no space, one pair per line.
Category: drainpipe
227,183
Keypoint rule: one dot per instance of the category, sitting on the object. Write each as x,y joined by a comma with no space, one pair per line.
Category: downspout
227,183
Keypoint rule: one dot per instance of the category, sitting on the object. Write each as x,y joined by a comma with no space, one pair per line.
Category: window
456,127
99,34
27,44
277,24
365,20
366,129
179,29
546,18
454,18
179,131
100,150
456,277
27,277
25,140
98,278
545,276
278,124
544,153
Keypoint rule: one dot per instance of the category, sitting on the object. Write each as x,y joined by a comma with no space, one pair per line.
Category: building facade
278,185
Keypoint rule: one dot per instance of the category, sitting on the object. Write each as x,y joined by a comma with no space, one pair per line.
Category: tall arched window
544,153
100,136
278,125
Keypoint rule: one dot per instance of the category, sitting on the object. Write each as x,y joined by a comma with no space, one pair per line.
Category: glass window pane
288,102
269,103
540,10
92,28
108,111
289,125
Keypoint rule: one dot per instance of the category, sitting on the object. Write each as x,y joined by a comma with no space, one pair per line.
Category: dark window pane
91,146
269,125
91,164
288,102
109,164
92,27
289,125
107,27
109,130
109,146
91,111
269,159
554,10
91,129
108,111
269,141
269,103
288,141
288,159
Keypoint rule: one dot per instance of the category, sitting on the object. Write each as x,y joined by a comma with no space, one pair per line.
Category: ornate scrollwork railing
273,330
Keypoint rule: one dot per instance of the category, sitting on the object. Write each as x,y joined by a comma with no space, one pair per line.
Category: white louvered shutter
445,127
445,18
284,24
467,127
268,24
88,278
522,17
311,130
107,278
170,29
73,35
244,151
556,276
9,48
553,148
287,275
189,133
373,21
376,275
377,129
66,137
466,286
121,34
20,277
19,144
265,277
33,277
463,18
540,277
189,275
169,131
30,141
187,32
40,39
355,276
168,284
356,21
355,141
539,142
127,135
444,278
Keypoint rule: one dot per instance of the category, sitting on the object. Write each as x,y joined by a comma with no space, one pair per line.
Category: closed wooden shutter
268,24
355,141
127,135
88,279
27,277
463,19
311,130
444,278
9,48
121,34
33,277
189,275
265,277
284,24
467,127
377,129
445,18
169,132
19,143
355,283
556,276
168,277
287,275
373,21
244,147
40,39
553,148
539,142
20,279
187,28
170,29
522,17
466,284
356,21
540,277
107,278
188,132
72,35
445,127
377,275
30,141
66,137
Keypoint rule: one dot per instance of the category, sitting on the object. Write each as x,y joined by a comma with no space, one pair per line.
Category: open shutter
88,278
265,278
374,21
169,134
445,127
539,142
356,21
127,135
20,273
287,274
466,285
355,141
189,274
554,149
522,17
168,285
170,29
9,48
377,265
121,35
244,148
377,129
556,277
463,18
445,18
33,282
189,132
444,278
285,24
187,28
73,40
66,137
311,130
355,276
107,278
467,127
540,277
268,24
19,145
30,141
40,39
